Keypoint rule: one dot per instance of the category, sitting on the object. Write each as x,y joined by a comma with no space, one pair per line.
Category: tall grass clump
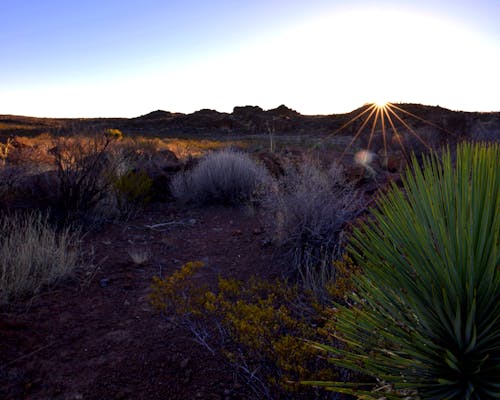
32,254
426,313
308,210
225,177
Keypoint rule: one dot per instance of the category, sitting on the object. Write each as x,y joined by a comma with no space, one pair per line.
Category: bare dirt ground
97,337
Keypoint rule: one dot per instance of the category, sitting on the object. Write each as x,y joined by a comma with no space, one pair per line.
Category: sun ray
412,131
360,130
374,124
389,117
382,121
424,120
352,120
397,134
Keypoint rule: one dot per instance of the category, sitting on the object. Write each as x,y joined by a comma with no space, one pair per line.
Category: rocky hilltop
253,120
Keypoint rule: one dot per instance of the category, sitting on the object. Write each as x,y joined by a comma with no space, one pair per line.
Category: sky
124,58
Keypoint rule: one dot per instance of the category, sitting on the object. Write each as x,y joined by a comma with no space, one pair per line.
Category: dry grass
139,256
185,148
33,255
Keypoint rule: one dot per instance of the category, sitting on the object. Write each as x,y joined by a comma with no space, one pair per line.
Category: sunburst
384,117
380,104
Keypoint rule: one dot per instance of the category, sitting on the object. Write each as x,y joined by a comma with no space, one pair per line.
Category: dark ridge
251,119
157,115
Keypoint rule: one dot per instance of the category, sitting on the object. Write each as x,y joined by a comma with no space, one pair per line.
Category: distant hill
253,120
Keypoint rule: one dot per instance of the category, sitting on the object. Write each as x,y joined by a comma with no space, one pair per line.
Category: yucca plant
426,313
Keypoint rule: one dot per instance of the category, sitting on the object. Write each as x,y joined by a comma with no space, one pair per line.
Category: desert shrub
4,151
221,177
133,190
308,210
426,309
32,254
10,179
114,133
262,328
85,173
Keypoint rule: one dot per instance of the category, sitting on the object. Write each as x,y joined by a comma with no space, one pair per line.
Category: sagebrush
308,209
225,177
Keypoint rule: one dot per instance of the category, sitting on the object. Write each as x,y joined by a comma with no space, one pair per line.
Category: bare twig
166,225
29,354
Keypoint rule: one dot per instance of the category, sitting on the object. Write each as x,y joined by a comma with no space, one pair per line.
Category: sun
380,104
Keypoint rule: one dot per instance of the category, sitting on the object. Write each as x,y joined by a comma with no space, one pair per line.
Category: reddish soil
97,337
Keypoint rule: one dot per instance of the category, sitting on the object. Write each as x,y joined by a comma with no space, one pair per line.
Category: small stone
187,375
104,282
185,363
266,243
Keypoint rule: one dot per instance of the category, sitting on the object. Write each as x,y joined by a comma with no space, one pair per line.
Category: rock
395,162
283,111
355,173
187,375
184,363
104,282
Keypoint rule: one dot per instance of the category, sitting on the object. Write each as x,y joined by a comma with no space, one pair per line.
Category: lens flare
364,157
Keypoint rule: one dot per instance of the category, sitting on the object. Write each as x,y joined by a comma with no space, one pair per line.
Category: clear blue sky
126,58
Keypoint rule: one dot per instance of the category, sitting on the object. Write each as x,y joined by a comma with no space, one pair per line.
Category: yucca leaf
428,302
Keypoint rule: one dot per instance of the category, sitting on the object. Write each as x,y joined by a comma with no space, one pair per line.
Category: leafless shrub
308,210
86,168
222,177
32,254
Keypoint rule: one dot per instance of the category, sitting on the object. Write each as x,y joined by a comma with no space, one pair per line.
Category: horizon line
250,106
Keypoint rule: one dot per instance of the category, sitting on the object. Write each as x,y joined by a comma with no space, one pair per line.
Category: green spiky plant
426,313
